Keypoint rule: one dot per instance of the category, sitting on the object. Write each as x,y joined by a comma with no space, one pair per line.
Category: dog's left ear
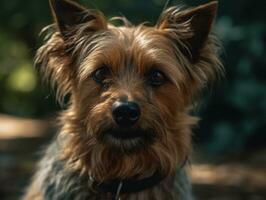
191,26
68,14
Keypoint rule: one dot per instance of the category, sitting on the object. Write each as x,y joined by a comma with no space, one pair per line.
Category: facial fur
178,47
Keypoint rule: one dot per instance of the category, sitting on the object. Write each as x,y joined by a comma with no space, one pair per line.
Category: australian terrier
126,132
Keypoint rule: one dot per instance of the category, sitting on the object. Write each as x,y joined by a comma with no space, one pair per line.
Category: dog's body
54,182
126,132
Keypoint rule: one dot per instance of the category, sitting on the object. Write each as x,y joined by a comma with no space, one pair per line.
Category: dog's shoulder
55,181
182,185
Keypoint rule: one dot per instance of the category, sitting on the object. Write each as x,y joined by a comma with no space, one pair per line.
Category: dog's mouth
127,134
127,139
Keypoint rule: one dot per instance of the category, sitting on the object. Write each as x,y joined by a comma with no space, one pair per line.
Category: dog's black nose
125,113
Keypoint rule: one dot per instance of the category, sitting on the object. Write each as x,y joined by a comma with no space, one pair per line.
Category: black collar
128,185
117,187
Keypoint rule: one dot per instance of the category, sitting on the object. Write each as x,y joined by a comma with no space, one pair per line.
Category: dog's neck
134,186
118,187
171,187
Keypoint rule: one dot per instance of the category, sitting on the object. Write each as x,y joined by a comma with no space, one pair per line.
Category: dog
129,91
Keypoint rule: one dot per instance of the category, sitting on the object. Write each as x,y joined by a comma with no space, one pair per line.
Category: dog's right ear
68,14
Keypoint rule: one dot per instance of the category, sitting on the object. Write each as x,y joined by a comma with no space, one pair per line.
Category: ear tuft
68,14
199,21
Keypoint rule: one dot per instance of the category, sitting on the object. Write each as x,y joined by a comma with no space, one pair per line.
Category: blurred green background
233,115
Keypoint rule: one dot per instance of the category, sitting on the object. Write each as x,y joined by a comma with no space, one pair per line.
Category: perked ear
197,23
68,14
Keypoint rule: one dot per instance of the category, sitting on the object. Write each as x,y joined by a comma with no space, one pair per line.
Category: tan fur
68,60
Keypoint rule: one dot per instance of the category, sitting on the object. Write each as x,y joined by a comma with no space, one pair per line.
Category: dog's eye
101,74
156,78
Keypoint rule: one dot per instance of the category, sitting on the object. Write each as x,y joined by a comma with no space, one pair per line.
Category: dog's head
130,86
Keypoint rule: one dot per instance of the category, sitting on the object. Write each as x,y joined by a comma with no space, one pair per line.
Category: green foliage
234,115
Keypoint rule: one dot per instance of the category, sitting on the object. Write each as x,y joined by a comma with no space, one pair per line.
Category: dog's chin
127,140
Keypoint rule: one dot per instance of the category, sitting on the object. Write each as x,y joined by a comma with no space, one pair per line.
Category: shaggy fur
180,46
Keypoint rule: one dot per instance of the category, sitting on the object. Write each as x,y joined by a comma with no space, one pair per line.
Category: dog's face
130,86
